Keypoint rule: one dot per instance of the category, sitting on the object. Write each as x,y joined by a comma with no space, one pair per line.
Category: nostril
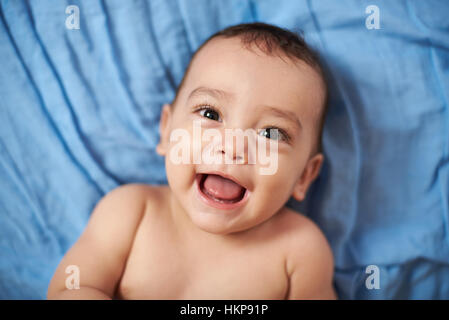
240,159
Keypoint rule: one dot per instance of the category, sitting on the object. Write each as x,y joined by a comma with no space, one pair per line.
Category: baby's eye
210,114
273,133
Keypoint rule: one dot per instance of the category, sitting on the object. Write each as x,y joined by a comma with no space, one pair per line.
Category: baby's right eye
210,114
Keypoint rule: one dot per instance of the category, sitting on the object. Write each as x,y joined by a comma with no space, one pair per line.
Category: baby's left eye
210,114
273,133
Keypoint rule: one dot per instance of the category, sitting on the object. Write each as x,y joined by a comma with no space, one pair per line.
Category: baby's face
230,87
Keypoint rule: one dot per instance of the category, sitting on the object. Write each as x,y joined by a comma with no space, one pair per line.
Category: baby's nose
235,148
230,153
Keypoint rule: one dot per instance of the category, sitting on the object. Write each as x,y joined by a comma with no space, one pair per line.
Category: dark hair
272,40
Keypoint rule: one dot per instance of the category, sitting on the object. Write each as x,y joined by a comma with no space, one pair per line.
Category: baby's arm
310,265
102,250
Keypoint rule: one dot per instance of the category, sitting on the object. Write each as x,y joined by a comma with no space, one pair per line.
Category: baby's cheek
180,176
274,190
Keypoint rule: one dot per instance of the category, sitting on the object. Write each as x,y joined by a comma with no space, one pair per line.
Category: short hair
272,40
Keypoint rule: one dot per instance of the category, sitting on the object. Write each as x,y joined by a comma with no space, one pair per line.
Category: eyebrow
285,114
216,93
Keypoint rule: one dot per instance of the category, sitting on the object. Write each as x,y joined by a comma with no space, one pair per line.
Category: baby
219,230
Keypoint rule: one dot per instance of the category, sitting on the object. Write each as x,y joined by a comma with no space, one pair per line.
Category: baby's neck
188,230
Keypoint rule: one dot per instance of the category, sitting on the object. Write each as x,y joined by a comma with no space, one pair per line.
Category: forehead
255,78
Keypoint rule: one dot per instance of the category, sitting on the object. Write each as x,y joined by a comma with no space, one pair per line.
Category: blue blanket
79,112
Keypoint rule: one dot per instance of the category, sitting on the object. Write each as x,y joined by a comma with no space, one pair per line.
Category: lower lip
217,204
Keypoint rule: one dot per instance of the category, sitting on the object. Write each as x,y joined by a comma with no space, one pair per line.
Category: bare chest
161,267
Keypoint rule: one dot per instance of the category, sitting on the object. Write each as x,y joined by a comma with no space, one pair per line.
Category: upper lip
227,176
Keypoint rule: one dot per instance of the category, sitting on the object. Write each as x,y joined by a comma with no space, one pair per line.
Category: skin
150,242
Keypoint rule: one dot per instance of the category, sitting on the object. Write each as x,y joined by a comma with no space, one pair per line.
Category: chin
212,222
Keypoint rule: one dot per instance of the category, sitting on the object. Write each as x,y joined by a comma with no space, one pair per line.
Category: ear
164,126
309,174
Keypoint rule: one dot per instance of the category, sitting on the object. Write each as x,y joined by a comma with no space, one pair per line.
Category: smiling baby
220,229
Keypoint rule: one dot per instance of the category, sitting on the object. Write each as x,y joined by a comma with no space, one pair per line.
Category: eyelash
201,107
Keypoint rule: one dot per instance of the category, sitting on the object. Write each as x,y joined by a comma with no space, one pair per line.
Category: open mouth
220,190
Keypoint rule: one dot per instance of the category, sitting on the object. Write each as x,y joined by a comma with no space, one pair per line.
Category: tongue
222,188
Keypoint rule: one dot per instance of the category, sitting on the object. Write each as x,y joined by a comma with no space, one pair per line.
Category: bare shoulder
117,215
309,258
301,229
108,237
136,191
134,196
